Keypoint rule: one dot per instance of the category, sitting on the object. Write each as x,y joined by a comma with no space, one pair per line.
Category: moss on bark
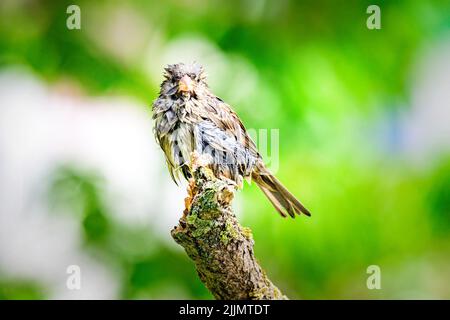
220,247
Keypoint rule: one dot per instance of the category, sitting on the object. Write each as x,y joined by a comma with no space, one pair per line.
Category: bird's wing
221,114
220,131
176,141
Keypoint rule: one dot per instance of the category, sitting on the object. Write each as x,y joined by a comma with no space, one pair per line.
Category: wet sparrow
191,121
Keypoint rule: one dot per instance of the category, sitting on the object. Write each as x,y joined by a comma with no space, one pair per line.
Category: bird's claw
200,160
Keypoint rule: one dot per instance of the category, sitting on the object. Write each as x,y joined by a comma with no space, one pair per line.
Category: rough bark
220,247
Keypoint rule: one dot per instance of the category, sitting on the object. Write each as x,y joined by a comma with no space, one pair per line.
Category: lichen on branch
220,247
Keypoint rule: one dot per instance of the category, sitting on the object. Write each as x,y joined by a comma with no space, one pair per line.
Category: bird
190,121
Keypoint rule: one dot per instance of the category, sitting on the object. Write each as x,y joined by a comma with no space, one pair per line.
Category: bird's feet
234,184
200,160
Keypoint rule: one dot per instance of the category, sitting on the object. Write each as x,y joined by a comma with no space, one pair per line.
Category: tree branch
220,247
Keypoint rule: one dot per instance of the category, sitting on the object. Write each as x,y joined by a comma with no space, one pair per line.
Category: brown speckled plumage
190,120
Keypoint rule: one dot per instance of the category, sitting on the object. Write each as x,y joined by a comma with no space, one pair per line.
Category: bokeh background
364,136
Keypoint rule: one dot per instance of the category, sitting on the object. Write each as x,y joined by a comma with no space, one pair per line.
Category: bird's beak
185,84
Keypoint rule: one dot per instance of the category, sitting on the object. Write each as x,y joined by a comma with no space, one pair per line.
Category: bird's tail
283,201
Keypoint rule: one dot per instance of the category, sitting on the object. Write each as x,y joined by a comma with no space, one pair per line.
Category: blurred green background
363,141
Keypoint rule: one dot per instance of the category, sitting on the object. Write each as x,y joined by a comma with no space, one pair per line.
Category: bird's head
183,80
